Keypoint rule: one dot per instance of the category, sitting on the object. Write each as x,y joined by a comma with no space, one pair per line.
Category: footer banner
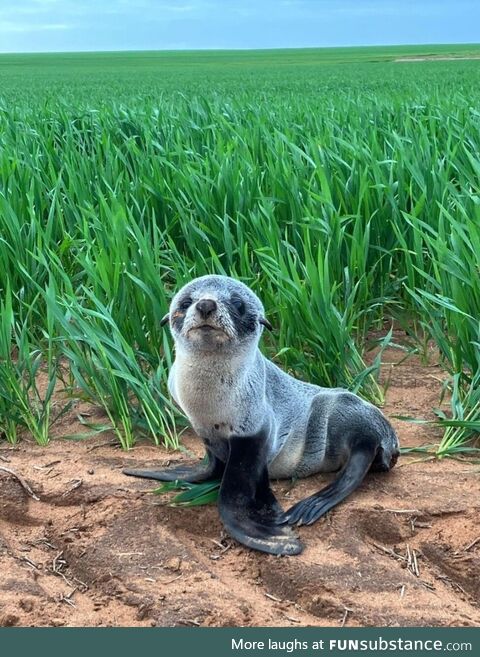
241,642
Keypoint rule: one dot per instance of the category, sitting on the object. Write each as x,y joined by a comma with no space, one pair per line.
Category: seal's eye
238,304
185,303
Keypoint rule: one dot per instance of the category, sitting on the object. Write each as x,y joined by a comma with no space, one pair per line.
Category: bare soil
98,549
435,58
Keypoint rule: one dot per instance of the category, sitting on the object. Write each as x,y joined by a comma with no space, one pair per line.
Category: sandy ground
435,58
98,549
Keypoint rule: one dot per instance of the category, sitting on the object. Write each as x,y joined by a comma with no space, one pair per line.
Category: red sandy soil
98,549
435,58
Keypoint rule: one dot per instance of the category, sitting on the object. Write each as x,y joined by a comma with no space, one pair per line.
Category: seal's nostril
206,307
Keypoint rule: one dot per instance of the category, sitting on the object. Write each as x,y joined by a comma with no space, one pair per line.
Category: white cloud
18,27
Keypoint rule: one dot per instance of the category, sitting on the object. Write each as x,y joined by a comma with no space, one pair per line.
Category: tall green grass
346,194
26,401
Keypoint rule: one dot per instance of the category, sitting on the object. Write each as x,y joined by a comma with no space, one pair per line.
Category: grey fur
226,387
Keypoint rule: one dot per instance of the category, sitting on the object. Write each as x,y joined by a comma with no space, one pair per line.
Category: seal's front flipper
247,506
251,530
307,511
211,469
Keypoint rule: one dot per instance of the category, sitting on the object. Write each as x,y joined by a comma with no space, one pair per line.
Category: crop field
343,186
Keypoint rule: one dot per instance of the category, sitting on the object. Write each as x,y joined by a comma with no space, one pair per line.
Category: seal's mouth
207,334
206,328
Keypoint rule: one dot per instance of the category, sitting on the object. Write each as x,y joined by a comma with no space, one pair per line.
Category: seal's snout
206,307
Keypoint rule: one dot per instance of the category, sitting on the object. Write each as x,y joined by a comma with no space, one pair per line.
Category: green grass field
342,185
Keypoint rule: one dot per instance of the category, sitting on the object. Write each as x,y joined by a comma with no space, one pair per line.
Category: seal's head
216,312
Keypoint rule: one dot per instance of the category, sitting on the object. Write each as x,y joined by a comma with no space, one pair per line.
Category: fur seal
257,422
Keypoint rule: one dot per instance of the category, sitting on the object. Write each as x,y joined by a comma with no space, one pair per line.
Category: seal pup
258,422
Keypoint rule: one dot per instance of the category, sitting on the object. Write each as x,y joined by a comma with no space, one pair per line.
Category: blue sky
71,25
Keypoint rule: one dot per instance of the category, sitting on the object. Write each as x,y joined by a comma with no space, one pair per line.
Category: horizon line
238,49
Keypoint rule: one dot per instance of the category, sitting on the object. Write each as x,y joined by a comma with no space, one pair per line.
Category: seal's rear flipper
307,511
247,506
195,474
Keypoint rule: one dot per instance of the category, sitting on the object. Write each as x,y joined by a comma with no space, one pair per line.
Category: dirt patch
98,549
436,58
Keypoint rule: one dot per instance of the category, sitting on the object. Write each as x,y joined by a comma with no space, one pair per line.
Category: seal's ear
165,319
265,323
